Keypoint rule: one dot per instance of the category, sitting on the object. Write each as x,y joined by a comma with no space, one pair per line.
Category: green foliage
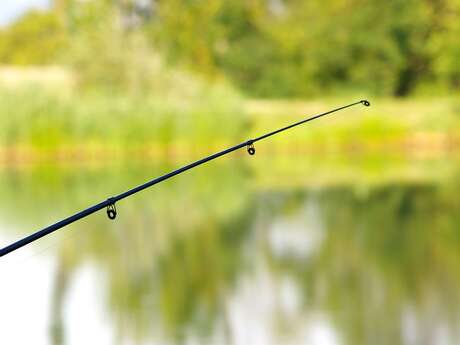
124,95
446,47
388,122
36,39
273,48
300,48
90,121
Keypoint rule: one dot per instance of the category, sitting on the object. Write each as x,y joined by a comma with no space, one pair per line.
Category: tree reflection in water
213,258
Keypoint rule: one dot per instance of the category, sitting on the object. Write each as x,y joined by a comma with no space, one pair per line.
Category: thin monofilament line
366,103
110,202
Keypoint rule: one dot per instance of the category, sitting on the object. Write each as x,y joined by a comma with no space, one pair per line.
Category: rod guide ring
251,149
111,209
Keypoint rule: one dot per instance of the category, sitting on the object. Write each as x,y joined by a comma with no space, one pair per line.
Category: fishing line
109,204
51,244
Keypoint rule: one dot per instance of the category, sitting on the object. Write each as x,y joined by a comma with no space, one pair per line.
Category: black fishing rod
109,204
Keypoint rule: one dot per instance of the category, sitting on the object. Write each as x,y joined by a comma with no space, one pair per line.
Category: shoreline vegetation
47,126
420,145
53,118
88,84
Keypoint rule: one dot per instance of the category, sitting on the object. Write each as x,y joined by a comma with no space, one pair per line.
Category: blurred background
342,232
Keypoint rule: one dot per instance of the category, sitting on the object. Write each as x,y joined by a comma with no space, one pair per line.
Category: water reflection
216,257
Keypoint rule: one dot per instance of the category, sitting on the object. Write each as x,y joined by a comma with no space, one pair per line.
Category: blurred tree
445,45
37,38
269,48
292,48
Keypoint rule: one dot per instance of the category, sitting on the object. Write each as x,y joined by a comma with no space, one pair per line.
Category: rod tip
365,102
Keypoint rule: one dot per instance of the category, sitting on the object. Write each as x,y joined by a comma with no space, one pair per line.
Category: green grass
422,124
46,122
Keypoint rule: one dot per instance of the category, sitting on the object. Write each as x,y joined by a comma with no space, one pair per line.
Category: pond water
325,251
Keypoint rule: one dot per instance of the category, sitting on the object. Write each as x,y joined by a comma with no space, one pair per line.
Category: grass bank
36,123
414,126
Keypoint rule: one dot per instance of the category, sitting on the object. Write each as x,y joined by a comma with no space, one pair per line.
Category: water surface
332,250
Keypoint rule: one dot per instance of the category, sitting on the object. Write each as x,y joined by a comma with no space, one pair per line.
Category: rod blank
109,204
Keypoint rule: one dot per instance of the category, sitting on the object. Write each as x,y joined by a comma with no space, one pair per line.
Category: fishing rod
109,204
